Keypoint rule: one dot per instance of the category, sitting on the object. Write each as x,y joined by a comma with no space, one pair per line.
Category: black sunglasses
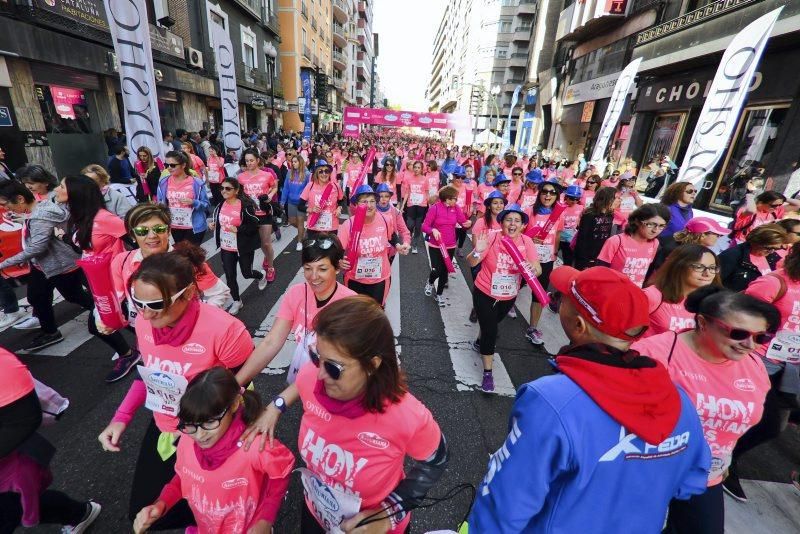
173,165
324,243
548,192
333,369
228,188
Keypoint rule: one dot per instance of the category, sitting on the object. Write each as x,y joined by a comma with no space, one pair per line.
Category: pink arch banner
354,117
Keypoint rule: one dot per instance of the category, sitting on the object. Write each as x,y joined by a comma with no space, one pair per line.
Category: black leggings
438,268
187,234
567,254
461,234
55,508
216,194
376,291
151,475
701,514
415,215
245,261
490,312
71,287
18,420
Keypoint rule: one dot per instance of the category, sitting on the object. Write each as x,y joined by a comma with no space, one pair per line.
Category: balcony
338,60
304,9
339,35
340,11
512,84
338,83
315,60
252,6
313,23
690,19
361,70
522,33
518,59
360,94
307,52
527,7
362,9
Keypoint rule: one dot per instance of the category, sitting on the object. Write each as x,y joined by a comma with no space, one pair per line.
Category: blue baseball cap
322,163
501,179
534,176
573,191
382,188
512,208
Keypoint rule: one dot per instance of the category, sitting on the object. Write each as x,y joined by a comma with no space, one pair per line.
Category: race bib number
325,221
589,201
545,253
164,390
227,240
131,313
329,505
415,199
369,268
628,204
181,217
785,348
504,285
213,176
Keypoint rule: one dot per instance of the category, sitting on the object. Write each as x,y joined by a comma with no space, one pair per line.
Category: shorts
293,212
265,220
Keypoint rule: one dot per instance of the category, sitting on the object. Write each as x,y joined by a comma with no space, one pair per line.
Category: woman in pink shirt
632,252
687,268
352,169
715,365
261,186
216,172
186,197
355,401
148,170
214,412
389,176
321,196
498,281
516,186
179,337
197,163
402,235
440,225
629,200
484,188
530,192
589,190
415,190
465,187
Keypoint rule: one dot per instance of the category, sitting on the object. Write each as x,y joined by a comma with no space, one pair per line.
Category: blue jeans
8,300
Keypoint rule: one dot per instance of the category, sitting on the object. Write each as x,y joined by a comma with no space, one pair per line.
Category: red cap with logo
606,298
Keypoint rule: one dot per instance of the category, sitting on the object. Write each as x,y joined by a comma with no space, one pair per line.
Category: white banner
618,96
725,100
127,20
226,70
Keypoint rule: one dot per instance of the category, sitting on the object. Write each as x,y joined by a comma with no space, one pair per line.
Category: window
504,26
304,38
502,51
216,15
600,62
64,109
249,48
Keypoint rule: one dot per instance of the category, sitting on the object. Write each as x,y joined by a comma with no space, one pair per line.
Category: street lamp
492,94
272,54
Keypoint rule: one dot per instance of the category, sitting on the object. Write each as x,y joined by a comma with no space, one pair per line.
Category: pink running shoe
270,274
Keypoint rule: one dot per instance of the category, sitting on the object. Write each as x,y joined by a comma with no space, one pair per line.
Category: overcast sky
406,29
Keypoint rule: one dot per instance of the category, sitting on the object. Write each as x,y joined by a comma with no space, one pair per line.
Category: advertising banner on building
130,32
618,96
399,118
229,99
507,129
725,100
305,79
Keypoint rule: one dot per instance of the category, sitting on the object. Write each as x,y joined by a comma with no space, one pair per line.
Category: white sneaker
414,250
440,300
512,313
31,323
299,246
235,307
262,284
91,514
12,318
428,289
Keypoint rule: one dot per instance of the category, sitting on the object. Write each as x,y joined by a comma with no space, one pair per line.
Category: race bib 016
504,285
329,505
164,390
369,268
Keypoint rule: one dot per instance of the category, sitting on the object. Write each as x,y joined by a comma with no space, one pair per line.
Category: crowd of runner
683,348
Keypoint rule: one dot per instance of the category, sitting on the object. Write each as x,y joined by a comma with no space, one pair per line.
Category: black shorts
265,220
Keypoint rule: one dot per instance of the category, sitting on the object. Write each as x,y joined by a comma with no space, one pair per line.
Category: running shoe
414,250
237,304
512,313
733,487
555,300
299,246
123,366
270,274
264,264
428,289
440,300
12,318
31,323
277,234
534,336
476,346
262,282
43,340
473,316
92,511
487,385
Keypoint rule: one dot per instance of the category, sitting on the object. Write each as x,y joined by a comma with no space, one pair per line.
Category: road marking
549,323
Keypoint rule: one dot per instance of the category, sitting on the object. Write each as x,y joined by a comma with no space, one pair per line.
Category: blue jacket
291,190
199,205
678,218
567,467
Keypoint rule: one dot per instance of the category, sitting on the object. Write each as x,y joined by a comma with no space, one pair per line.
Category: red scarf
351,409
179,334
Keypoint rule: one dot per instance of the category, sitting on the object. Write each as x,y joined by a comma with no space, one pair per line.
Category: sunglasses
173,165
548,192
158,229
324,243
517,174
333,369
740,334
155,305
211,424
776,206
324,171
690,191
227,188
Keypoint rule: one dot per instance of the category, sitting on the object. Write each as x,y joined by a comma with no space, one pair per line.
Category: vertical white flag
621,90
127,20
226,70
725,99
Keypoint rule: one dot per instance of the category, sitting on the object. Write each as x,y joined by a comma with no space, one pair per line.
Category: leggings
18,420
55,508
187,234
567,254
8,300
701,514
376,291
461,234
151,475
415,215
216,193
490,312
245,261
71,287
438,268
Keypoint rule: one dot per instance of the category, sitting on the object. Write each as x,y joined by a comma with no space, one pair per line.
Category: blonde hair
102,175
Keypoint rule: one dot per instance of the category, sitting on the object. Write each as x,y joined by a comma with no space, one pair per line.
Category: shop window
753,147
664,137
600,62
65,110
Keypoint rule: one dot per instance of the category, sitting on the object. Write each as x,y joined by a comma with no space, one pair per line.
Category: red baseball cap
606,298
701,225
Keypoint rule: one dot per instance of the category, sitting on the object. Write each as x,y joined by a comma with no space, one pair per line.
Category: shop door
11,139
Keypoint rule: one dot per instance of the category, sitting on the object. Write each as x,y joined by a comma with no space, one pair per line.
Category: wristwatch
279,403
476,254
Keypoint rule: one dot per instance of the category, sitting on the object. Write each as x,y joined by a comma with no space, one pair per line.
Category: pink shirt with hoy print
666,316
499,277
629,256
372,265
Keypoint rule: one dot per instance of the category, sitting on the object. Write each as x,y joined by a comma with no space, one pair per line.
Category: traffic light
322,89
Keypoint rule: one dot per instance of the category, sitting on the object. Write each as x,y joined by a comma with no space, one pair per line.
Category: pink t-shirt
665,315
216,166
218,338
353,170
527,200
312,194
372,265
124,264
480,228
415,189
767,288
226,499
627,203
197,164
230,215
380,178
761,263
499,276
729,397
363,456
433,183
16,379
547,250
461,199
571,216
587,198
177,191
515,191
107,229
258,184
483,191
629,256
299,306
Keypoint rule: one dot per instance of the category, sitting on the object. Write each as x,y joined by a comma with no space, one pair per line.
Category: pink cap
701,225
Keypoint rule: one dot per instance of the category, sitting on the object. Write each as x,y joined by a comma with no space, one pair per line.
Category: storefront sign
131,35
725,99
391,117
588,111
703,14
258,103
64,98
89,12
596,89
5,117
165,41
223,52
621,90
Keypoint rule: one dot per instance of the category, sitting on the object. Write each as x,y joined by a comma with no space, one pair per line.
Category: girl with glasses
179,337
394,180
214,412
757,256
679,198
311,201
713,362
354,379
185,195
235,229
591,186
687,268
632,252
516,185
262,187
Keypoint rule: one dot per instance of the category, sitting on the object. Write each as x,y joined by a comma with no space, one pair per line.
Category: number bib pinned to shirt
181,217
369,268
164,390
329,505
415,199
325,221
545,253
227,240
504,285
785,347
